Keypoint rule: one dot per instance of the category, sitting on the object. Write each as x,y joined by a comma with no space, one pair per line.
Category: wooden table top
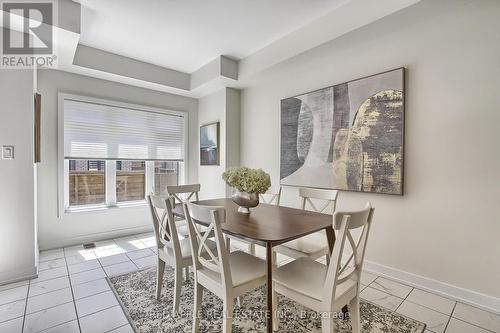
267,223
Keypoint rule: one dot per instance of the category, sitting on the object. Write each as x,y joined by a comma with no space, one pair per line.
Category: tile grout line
101,292
93,313
404,299
425,306
26,306
72,293
116,328
50,307
449,318
475,325
10,288
51,327
46,292
46,269
475,307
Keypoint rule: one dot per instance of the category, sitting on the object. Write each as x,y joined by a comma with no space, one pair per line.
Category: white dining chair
227,275
183,193
180,194
326,289
172,250
271,197
314,245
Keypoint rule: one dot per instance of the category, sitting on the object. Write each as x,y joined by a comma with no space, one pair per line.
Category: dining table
269,226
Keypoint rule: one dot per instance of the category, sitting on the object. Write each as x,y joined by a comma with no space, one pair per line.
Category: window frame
110,168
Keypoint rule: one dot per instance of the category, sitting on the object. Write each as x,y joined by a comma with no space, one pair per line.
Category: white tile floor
72,295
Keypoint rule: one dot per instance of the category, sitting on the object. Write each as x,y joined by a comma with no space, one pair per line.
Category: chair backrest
203,256
326,198
163,224
345,223
271,197
183,193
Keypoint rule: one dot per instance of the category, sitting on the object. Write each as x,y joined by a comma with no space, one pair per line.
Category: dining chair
226,274
326,289
171,250
183,193
314,245
180,194
271,197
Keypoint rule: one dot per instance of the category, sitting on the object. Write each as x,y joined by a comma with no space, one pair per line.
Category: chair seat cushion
307,277
185,245
182,228
309,244
244,268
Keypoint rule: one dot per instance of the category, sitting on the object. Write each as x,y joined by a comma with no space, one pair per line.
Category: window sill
97,208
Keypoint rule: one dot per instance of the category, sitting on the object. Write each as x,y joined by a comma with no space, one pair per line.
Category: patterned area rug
136,290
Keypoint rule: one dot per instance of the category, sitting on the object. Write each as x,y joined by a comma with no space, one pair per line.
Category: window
130,180
86,182
166,173
114,154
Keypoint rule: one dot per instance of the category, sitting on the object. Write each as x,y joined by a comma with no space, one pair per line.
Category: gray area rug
136,291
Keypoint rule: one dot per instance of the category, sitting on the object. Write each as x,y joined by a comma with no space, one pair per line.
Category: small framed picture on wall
209,144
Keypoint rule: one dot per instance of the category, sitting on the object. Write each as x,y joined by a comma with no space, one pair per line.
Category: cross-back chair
271,197
183,193
314,245
327,289
179,194
171,250
227,275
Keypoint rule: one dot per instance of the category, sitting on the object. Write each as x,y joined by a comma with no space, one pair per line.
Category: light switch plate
8,152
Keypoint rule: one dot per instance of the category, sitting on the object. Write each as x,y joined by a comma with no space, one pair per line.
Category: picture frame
347,136
210,144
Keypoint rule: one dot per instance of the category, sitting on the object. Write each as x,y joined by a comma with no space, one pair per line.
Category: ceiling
186,34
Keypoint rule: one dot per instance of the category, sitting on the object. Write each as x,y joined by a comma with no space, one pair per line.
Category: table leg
330,236
269,262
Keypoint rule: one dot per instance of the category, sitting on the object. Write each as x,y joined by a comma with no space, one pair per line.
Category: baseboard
95,237
18,275
488,303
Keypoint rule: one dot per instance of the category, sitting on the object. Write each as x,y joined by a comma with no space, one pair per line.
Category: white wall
18,255
211,109
446,227
233,131
75,228
224,107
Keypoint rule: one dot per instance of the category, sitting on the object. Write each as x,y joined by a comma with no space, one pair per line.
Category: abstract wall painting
209,144
347,137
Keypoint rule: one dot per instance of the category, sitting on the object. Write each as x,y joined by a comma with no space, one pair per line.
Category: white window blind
100,131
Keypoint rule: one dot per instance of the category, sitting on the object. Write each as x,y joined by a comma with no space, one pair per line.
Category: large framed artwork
347,137
209,144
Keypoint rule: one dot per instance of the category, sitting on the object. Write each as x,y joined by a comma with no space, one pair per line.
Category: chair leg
327,324
228,315
238,301
177,288
355,317
198,296
186,273
251,249
228,244
276,317
159,277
